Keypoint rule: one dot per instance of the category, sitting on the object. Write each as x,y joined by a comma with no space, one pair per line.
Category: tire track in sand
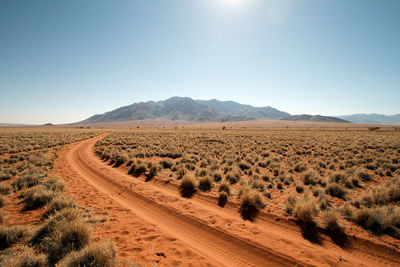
217,245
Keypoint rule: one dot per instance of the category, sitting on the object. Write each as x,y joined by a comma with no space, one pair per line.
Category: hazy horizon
63,62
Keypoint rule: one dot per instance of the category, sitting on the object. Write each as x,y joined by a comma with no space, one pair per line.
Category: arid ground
201,195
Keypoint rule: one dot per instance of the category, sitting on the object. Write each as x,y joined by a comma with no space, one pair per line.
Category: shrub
363,175
309,177
250,202
222,198
54,184
217,176
324,202
10,235
332,224
29,259
290,203
188,186
233,177
153,171
205,183
258,184
25,182
166,164
305,211
137,169
37,198
51,225
5,189
300,189
58,203
226,187
336,190
381,220
2,201
68,237
94,255
300,167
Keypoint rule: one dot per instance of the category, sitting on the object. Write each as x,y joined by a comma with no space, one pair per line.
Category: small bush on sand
10,235
94,255
2,201
37,198
29,259
138,169
222,198
68,237
290,203
188,186
226,187
55,184
380,220
250,202
305,211
51,225
5,189
58,203
363,175
336,190
205,183
310,177
153,171
25,182
332,224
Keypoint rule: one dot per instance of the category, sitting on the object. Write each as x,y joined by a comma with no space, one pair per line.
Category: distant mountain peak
315,118
185,108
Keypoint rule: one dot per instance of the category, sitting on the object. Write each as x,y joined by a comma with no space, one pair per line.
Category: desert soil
152,225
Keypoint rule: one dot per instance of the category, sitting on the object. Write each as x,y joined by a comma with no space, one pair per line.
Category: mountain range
187,109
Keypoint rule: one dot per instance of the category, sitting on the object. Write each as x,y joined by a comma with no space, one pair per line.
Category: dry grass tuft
188,186
94,255
250,202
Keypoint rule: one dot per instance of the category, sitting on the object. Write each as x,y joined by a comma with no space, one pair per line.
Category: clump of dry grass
37,198
28,258
305,211
250,202
380,220
332,224
290,203
57,204
5,189
205,183
222,198
188,186
336,190
67,237
226,187
10,235
309,177
94,255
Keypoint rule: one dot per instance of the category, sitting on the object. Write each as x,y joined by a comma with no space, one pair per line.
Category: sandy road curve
219,246
218,236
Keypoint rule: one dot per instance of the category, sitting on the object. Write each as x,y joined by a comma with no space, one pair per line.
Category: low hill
372,118
314,118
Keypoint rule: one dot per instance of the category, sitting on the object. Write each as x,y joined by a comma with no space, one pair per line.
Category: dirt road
193,231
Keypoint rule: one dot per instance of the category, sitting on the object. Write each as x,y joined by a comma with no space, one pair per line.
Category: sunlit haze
64,61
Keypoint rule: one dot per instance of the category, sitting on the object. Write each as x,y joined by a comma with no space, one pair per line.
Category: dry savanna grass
62,231
302,173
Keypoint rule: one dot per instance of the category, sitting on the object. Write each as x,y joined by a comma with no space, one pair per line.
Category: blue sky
63,61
